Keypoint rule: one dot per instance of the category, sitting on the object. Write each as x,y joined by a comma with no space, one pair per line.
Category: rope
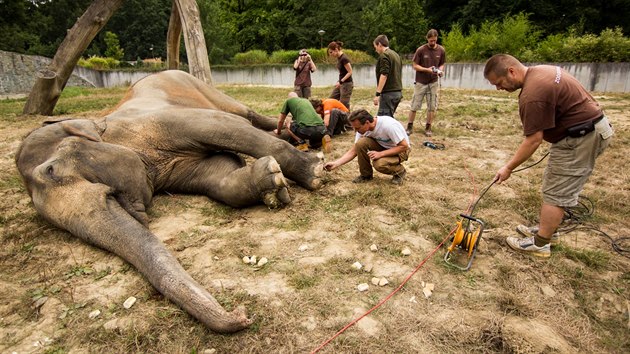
385,299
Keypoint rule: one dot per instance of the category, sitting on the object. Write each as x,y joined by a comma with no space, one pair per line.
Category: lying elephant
171,132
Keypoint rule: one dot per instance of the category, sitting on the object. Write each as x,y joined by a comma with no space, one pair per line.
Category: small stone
547,291
413,299
40,302
262,261
363,287
383,282
406,251
368,267
252,260
357,265
94,314
427,290
375,280
374,248
303,248
215,258
246,260
209,351
129,302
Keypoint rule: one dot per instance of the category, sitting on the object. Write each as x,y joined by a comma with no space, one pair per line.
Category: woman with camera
303,67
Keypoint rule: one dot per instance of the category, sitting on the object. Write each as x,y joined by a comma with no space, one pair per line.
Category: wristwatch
377,94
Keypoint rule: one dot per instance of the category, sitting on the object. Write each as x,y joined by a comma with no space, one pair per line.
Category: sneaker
527,245
398,179
327,144
531,231
409,130
362,179
428,133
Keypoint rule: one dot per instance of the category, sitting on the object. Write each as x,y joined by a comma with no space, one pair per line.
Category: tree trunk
196,50
173,39
52,80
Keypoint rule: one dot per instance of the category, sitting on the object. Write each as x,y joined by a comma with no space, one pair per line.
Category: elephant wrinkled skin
171,132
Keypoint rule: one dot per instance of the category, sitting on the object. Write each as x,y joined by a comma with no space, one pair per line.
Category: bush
251,57
283,56
99,63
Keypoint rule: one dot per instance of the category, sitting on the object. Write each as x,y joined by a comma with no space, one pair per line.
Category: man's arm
281,119
379,88
347,157
327,119
527,148
402,146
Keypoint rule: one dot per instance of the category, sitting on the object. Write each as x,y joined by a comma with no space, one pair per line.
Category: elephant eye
50,171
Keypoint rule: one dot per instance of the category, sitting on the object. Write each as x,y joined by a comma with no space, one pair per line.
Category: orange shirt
330,103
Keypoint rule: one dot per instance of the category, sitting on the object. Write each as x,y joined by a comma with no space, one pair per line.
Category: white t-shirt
387,133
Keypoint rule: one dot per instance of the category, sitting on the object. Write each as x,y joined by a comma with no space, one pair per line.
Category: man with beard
428,62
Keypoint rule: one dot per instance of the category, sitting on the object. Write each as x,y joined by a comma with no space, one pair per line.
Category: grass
301,298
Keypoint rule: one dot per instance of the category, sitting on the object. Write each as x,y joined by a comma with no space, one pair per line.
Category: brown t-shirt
551,100
303,74
427,57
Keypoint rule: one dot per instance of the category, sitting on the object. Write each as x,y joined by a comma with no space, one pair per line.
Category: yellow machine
465,242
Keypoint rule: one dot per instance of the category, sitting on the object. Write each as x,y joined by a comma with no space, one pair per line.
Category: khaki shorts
571,162
421,91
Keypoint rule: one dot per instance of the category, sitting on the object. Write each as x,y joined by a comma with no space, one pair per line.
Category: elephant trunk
110,227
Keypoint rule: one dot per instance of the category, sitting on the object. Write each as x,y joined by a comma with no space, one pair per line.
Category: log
173,37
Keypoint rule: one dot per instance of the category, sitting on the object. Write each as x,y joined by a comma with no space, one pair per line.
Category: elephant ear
82,128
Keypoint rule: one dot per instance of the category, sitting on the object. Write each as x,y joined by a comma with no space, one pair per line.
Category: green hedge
319,56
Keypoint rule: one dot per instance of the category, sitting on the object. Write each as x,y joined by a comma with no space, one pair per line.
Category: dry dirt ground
576,301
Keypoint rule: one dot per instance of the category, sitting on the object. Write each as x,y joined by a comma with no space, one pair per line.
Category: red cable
353,322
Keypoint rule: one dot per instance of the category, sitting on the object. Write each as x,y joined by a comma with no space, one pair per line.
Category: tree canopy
232,26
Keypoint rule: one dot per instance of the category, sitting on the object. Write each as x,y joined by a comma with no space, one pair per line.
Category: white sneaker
531,231
527,245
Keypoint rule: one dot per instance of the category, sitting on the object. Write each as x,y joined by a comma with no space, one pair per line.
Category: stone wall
17,75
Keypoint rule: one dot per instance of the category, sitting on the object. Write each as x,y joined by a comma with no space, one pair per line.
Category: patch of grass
593,259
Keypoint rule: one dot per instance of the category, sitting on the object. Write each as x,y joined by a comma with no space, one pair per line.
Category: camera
436,70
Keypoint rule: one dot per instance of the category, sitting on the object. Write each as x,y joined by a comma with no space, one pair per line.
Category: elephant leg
225,177
224,131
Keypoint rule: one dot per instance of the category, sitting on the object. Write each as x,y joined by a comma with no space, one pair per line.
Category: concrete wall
17,75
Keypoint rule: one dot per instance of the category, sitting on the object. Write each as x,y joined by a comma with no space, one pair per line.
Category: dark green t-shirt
302,111
389,64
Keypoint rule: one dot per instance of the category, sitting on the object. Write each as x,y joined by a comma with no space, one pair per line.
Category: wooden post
173,37
52,80
196,50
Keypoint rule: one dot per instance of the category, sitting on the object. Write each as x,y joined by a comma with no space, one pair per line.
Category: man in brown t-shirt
428,63
554,107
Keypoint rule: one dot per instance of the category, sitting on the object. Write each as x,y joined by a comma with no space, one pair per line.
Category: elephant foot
271,182
315,180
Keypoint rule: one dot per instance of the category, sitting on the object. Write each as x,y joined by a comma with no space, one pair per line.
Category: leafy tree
113,46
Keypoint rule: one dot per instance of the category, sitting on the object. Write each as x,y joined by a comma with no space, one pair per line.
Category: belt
584,128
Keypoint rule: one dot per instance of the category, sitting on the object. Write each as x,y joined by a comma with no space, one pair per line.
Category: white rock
262,261
215,258
252,260
413,299
375,280
374,248
383,282
94,314
406,251
246,260
547,291
368,267
427,290
303,248
363,287
129,302
357,265
209,351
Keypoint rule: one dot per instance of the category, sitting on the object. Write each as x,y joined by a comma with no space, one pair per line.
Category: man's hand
276,131
375,155
329,166
376,100
502,174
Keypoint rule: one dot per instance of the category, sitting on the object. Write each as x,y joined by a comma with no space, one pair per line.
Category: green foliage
283,56
251,57
517,36
113,46
99,63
